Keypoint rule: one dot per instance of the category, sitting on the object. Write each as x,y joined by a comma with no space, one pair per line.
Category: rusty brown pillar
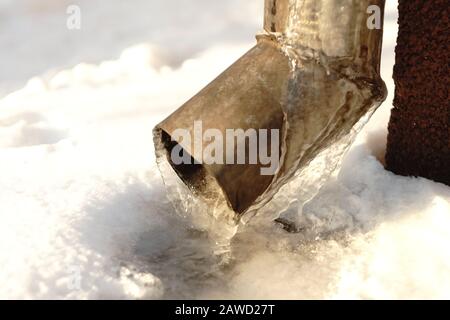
419,131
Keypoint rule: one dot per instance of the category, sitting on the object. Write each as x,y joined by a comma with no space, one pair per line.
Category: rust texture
419,131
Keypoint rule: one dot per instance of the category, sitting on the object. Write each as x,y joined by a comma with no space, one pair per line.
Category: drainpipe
313,75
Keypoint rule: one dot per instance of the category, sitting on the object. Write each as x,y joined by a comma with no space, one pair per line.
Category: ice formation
314,76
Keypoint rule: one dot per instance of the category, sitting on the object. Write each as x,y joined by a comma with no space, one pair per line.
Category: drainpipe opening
194,175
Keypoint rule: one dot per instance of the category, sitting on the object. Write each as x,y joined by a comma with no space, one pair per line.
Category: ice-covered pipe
314,73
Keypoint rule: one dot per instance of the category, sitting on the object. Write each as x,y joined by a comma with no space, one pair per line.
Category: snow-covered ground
82,207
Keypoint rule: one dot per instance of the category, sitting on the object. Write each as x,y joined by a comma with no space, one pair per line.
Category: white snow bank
38,41
79,187
84,215
369,234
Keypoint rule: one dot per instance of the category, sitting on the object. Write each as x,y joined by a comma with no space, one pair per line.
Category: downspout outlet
310,83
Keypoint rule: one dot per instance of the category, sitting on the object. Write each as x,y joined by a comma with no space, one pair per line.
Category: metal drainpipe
313,74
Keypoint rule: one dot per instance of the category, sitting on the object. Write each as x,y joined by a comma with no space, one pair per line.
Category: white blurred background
35,39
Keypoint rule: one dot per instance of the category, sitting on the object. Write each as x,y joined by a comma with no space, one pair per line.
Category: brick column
419,129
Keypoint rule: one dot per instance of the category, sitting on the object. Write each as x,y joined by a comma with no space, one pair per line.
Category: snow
83,209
